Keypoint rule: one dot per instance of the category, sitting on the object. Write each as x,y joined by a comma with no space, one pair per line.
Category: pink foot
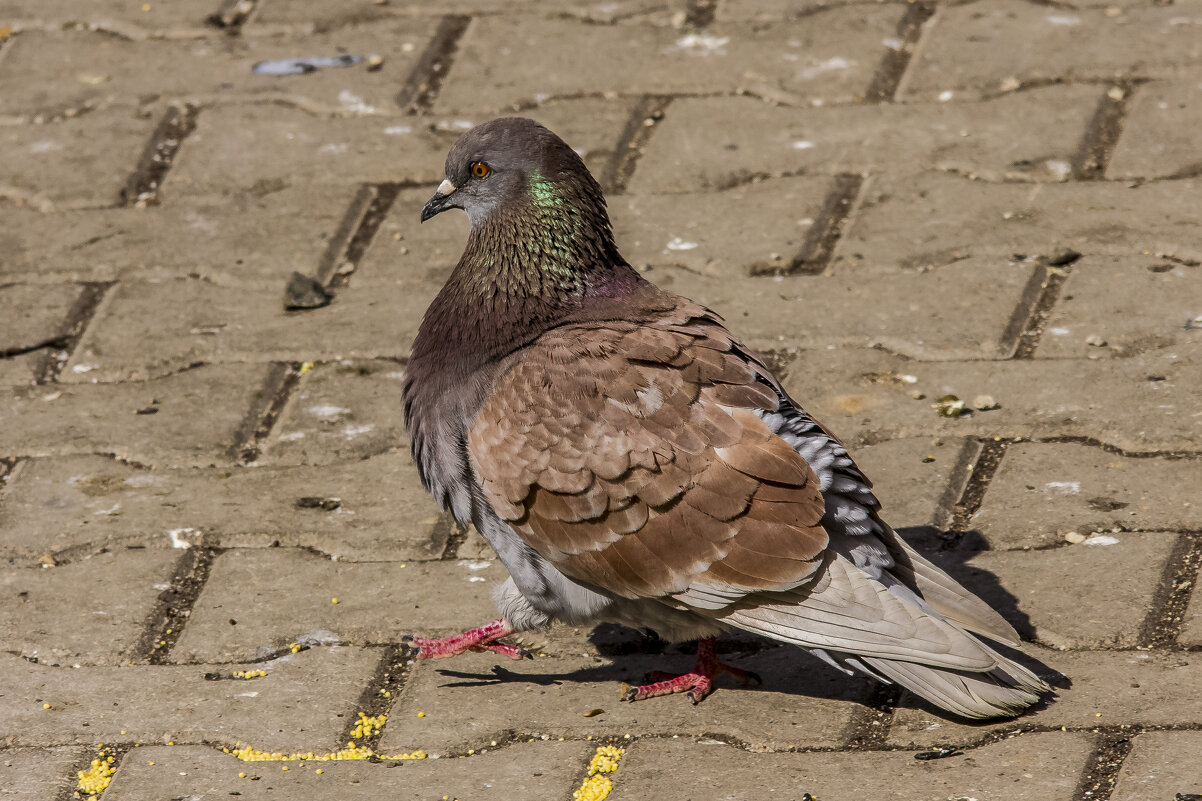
480,639
697,685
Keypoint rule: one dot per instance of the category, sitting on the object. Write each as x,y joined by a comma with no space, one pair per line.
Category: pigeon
631,461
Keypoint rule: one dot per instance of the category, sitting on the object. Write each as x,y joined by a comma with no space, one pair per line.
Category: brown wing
632,458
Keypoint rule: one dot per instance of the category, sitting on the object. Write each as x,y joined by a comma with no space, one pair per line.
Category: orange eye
480,169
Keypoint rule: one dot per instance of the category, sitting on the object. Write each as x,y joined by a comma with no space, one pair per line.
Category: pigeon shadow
782,668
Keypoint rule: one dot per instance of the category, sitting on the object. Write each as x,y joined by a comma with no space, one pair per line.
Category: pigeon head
540,248
517,168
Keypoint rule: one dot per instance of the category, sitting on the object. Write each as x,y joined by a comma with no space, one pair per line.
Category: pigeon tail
1004,691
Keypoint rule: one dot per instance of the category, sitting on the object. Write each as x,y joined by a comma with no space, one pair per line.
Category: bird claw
697,685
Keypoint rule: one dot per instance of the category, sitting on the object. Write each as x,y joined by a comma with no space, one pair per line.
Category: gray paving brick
802,702
1131,304
1156,141
1162,764
917,222
1191,630
1109,688
104,66
1043,491
21,369
80,505
240,146
935,316
75,163
341,411
521,770
212,323
918,482
280,596
32,315
758,227
706,143
199,415
403,246
137,20
1040,592
320,15
219,238
1106,400
832,58
996,45
35,774
1034,766
89,612
305,702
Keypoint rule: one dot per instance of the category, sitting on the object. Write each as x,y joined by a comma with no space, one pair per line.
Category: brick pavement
894,201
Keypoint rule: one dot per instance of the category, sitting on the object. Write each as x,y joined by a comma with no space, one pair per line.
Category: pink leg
480,639
697,684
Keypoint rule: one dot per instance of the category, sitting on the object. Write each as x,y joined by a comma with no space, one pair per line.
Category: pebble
1095,340
1075,537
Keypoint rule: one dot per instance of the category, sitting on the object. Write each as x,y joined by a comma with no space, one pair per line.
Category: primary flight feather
631,461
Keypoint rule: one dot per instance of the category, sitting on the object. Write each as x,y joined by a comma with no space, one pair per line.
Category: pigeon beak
441,201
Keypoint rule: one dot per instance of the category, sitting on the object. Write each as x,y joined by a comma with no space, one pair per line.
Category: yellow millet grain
95,780
366,726
249,674
598,785
248,753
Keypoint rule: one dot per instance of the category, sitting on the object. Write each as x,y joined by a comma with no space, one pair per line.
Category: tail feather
1004,691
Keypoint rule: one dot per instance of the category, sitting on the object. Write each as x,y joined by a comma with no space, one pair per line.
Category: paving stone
219,238
138,20
1130,304
706,143
1104,400
1043,491
831,59
801,703
1040,592
21,369
54,70
280,596
200,413
321,15
241,146
758,227
215,323
919,222
1155,141
1109,688
1162,764
339,412
32,315
963,311
405,246
918,496
523,770
35,774
305,703
1191,630
88,612
1035,766
774,10
997,45
79,505
74,163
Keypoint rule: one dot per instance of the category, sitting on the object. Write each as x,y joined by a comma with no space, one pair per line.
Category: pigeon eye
480,169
